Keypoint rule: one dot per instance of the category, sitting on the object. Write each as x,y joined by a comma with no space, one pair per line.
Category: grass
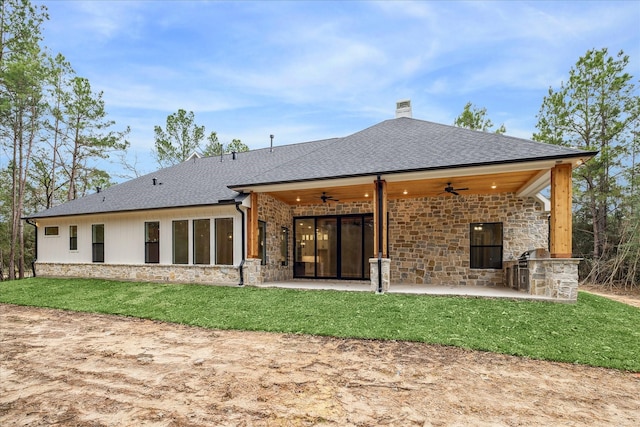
596,331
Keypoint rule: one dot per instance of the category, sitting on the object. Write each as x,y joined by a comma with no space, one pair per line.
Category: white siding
124,241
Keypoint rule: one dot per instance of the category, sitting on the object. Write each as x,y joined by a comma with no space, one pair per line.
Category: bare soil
626,296
75,369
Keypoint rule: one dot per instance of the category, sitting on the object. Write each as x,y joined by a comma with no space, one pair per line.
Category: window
201,241
262,242
284,246
97,239
224,241
181,242
152,242
486,245
51,231
73,237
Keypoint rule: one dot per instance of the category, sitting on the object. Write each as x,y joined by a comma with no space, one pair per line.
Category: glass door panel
369,251
327,247
351,248
304,263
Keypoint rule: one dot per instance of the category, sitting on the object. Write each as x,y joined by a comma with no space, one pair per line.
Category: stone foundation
202,274
386,274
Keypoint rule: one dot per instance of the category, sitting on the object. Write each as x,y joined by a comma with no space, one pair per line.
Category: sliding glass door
333,247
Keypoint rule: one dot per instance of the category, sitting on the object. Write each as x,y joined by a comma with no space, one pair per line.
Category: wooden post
252,227
561,215
380,219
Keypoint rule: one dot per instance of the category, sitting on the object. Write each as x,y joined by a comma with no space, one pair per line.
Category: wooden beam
534,185
561,215
252,227
380,219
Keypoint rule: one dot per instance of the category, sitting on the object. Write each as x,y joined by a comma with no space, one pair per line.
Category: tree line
54,130
53,127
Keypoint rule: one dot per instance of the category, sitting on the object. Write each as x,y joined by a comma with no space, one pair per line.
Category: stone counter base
202,274
555,278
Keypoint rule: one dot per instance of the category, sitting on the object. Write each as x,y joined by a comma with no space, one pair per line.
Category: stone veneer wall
334,208
277,215
203,274
429,237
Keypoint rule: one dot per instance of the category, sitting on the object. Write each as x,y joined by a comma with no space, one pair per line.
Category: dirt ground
74,369
630,297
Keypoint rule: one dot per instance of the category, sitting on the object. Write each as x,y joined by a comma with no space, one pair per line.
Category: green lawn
596,331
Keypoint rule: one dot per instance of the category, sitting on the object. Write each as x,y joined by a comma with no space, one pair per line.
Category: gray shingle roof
395,145
405,144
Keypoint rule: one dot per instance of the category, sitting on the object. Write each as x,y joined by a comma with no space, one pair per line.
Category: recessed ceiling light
366,194
493,186
297,199
405,192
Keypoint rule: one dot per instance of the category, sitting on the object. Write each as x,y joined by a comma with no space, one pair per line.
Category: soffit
505,182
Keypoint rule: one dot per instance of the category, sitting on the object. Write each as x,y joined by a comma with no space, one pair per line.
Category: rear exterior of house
384,205
432,241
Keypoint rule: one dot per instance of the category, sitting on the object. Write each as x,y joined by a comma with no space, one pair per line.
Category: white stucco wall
125,235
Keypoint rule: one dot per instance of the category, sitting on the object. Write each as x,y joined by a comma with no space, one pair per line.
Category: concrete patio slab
365,286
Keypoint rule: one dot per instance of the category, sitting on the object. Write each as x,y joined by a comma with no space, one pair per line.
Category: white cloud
307,70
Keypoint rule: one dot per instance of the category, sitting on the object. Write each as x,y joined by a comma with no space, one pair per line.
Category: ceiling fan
454,191
326,198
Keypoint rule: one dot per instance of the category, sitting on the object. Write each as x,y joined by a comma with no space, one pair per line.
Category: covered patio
387,204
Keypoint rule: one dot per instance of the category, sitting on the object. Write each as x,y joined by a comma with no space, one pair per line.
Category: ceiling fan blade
461,189
326,198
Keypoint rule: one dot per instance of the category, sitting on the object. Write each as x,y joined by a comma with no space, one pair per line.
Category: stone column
386,274
252,271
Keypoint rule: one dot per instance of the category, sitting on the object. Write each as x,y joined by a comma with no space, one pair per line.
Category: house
403,201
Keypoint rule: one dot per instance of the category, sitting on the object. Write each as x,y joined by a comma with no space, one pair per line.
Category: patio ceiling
508,182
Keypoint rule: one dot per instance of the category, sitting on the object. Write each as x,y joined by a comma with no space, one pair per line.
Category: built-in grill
522,272
518,271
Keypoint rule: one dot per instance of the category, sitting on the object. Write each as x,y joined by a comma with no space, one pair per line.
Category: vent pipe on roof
98,189
271,150
233,155
403,108
155,181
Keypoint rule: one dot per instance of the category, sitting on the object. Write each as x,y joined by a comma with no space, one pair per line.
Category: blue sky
312,70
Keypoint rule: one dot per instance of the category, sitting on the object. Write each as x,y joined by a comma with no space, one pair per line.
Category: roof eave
218,203
445,171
